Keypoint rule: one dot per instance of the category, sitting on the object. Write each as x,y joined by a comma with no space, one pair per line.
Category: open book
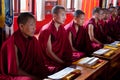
115,42
61,74
101,51
88,61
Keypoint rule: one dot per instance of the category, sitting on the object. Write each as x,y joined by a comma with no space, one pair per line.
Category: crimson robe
60,46
78,38
114,28
92,46
106,39
29,58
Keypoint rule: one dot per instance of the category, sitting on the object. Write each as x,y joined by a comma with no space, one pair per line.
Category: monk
76,34
54,42
103,16
93,33
20,58
118,10
113,24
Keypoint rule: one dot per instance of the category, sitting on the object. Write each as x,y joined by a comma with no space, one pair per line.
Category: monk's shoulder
45,28
68,26
34,38
44,32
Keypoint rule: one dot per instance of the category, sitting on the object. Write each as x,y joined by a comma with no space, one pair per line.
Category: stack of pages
116,42
112,46
101,51
89,61
62,74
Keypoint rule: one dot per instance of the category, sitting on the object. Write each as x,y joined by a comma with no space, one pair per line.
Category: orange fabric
87,7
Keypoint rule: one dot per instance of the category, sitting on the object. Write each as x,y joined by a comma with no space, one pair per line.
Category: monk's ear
55,16
21,26
75,18
97,14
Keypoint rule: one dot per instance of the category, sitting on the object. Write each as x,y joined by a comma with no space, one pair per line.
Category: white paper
115,42
112,45
61,74
101,51
85,60
93,62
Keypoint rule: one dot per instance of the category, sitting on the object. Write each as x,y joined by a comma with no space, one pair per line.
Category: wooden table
92,74
114,63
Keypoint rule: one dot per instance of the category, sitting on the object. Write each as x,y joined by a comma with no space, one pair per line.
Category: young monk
103,16
118,10
76,34
94,34
54,42
20,58
113,24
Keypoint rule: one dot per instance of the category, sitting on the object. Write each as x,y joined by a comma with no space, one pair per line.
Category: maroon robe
60,46
114,28
29,58
78,38
106,39
92,46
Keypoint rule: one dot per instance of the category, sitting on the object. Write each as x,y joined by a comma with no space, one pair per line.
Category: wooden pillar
40,10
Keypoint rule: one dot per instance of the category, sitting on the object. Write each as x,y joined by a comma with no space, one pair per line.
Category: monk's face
96,15
101,15
107,14
60,17
80,20
29,28
113,11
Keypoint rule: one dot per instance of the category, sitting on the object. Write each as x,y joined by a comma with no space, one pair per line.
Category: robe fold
60,46
114,28
92,46
27,54
78,38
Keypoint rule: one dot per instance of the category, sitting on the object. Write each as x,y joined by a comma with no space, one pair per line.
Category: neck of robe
57,24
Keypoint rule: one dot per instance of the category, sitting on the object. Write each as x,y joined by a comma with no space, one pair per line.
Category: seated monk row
113,25
102,28
23,57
